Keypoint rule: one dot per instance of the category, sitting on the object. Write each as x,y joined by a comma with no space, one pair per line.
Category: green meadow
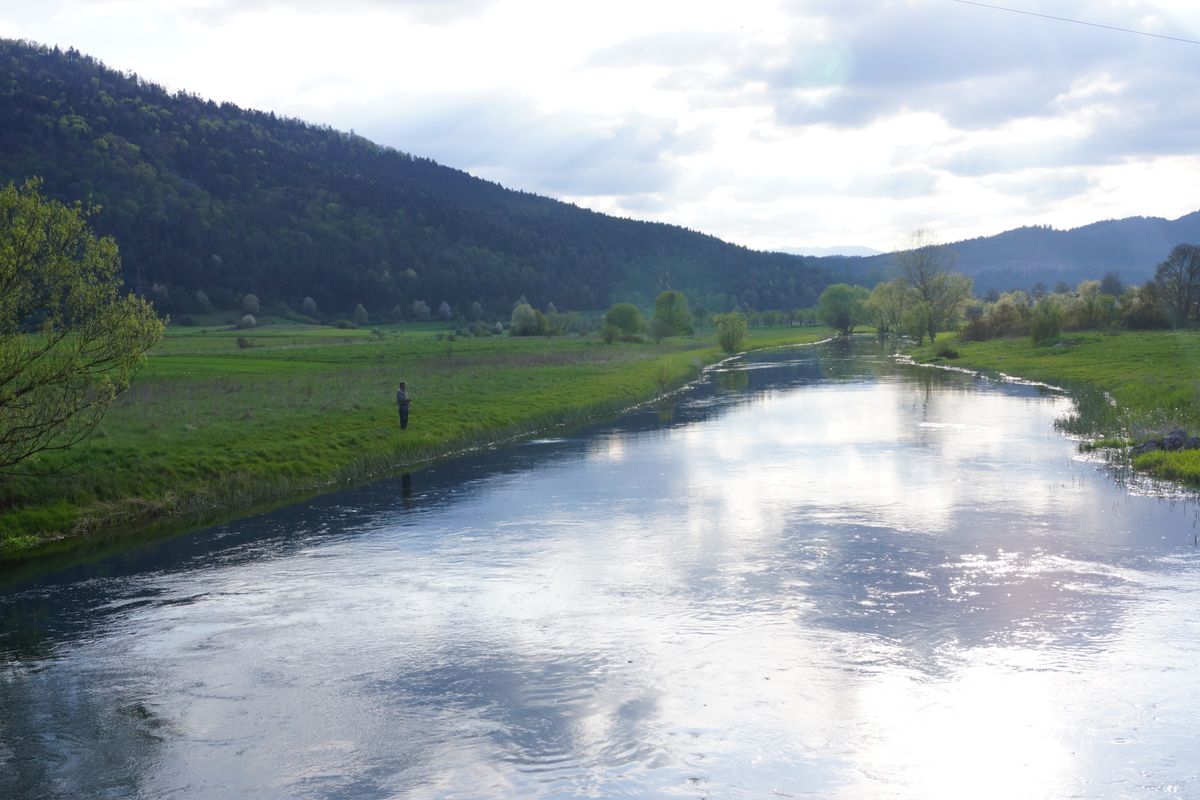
221,421
1128,386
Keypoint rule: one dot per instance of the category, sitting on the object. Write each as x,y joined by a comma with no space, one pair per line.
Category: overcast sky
778,125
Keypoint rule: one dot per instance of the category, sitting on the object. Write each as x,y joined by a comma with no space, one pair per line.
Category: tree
841,307
250,304
626,318
885,306
671,315
527,321
924,266
1177,283
1047,320
202,302
360,315
420,309
731,330
69,342
444,310
309,307
160,296
1111,284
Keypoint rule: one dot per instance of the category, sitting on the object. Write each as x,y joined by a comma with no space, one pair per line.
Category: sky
785,125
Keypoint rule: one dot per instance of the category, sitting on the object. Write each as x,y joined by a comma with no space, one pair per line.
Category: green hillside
210,197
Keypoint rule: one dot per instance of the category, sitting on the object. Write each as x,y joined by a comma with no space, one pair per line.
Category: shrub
1046,322
345,325
528,321
977,330
248,321
243,343
946,350
626,318
731,330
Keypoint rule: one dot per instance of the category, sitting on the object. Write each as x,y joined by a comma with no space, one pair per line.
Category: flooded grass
1127,387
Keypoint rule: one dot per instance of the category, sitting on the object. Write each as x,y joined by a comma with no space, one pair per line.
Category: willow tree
671,315
1177,283
731,330
938,292
70,342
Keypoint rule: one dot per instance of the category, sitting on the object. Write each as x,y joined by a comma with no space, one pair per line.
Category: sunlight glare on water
825,575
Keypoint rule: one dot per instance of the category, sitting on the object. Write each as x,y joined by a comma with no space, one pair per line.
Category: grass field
1152,377
213,426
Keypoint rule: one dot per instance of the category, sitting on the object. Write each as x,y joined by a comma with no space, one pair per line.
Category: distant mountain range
212,198
1020,258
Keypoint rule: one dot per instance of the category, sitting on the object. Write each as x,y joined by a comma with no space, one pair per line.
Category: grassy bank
1152,377
214,424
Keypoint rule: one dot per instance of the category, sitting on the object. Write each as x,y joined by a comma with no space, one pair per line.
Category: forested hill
1020,258
212,197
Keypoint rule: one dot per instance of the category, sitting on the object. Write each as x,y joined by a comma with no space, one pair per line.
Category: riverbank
222,421
1129,386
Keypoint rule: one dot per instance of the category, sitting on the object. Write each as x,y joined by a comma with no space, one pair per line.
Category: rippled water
817,574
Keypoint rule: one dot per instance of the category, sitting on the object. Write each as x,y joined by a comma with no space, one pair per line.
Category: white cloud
779,124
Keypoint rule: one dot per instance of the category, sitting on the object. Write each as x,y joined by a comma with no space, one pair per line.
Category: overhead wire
1076,21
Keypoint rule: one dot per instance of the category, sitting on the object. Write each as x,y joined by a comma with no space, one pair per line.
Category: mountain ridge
208,197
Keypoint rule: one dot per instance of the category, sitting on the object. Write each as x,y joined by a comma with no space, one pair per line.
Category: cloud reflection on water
876,586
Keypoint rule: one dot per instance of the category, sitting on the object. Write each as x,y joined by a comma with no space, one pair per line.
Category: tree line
926,297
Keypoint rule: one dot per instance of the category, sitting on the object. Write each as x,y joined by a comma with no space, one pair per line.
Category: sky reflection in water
822,575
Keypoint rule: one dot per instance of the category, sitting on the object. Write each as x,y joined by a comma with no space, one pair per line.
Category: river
817,573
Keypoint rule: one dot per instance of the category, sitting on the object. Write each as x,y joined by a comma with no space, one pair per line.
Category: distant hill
1024,257
212,197
1020,258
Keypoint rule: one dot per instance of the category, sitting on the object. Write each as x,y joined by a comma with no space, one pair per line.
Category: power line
1076,21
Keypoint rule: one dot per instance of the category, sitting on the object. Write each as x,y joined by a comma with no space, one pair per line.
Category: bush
1046,322
626,318
185,321
528,321
946,350
731,330
248,321
243,343
345,325
977,330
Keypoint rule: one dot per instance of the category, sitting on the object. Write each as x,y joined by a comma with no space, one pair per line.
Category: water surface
816,574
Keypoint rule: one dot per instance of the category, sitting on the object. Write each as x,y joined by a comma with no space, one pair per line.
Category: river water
816,574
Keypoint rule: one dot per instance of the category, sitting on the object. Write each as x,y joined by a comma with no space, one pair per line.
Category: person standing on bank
403,401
